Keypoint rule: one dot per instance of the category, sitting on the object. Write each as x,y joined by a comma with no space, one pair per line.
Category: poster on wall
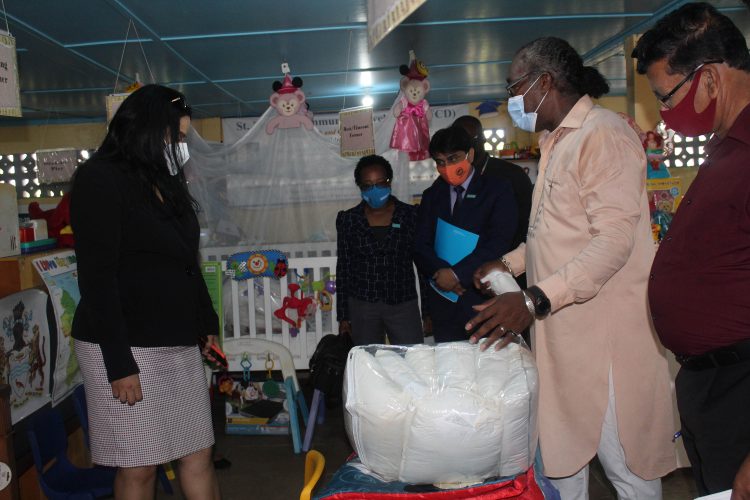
24,351
10,96
384,15
356,132
56,165
60,274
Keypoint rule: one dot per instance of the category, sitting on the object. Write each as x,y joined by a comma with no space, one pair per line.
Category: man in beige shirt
604,383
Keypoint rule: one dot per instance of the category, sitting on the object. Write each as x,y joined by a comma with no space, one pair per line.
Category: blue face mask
376,196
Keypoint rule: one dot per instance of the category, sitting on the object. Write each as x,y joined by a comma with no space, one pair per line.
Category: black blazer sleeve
343,268
424,242
97,244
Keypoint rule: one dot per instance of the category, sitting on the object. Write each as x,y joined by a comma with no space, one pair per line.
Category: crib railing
261,323
292,250
264,296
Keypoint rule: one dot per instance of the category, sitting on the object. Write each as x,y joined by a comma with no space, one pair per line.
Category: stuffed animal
412,130
58,220
289,102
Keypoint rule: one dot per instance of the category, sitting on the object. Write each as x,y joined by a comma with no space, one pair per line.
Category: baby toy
303,306
257,264
289,102
411,133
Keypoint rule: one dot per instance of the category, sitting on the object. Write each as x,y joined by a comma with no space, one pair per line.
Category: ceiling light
367,101
365,79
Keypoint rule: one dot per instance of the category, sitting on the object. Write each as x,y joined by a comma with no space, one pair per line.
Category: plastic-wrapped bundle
442,414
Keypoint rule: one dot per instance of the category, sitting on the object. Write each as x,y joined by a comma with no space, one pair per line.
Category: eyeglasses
509,87
664,100
382,183
451,159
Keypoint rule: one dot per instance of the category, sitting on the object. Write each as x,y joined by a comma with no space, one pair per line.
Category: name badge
471,196
395,225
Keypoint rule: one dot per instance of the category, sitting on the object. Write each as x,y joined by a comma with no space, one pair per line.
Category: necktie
459,190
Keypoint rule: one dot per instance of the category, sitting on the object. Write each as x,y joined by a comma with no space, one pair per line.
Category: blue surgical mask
517,111
376,196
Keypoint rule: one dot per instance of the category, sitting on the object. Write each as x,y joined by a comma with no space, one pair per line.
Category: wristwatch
542,306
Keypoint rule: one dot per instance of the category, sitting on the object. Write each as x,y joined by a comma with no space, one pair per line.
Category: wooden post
7,455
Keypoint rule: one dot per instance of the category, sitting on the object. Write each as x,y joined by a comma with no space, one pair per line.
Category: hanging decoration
10,94
488,109
289,102
411,133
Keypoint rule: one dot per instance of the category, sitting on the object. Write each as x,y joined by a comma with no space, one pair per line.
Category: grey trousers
371,321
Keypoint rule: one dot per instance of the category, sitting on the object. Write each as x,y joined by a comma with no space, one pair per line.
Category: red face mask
685,120
456,173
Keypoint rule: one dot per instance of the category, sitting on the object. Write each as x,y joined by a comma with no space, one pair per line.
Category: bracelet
529,304
505,262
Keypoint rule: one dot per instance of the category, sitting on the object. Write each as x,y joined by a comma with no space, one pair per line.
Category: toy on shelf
411,133
289,102
58,220
654,144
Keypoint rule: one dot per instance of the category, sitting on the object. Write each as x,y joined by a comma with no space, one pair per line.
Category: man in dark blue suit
463,198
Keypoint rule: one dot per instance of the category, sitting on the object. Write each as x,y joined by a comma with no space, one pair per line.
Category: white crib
253,317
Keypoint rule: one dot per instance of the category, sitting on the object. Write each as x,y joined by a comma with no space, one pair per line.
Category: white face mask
522,119
182,157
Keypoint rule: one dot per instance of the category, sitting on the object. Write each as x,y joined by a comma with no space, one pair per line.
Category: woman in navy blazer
479,204
375,282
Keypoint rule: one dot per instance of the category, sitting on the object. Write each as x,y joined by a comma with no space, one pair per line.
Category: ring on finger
502,329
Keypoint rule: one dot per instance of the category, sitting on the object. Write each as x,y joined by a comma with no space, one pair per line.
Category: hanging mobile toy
303,306
246,365
270,387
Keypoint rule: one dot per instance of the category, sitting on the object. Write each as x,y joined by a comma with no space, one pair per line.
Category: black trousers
714,407
371,321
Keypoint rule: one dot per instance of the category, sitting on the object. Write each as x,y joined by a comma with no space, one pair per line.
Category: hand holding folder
452,244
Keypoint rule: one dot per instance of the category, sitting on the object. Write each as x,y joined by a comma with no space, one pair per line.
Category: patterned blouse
372,270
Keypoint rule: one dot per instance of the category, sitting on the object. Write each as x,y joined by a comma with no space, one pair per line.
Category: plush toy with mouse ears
289,102
412,130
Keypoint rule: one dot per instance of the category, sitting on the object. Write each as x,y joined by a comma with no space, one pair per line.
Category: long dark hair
556,57
137,136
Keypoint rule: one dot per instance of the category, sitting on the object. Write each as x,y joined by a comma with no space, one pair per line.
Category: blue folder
452,244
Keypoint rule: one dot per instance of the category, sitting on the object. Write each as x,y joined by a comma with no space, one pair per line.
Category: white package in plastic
442,414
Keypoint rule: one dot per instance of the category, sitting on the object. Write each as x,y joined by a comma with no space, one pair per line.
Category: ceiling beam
613,44
363,26
127,12
47,38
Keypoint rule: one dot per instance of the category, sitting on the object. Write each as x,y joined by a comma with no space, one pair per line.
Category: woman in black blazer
375,283
144,305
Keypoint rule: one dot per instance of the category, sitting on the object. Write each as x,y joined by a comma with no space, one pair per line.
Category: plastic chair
234,348
63,480
79,403
314,464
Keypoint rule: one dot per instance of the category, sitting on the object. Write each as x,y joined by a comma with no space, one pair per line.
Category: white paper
722,495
